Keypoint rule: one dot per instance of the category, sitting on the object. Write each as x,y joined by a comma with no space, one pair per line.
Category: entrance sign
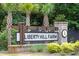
38,36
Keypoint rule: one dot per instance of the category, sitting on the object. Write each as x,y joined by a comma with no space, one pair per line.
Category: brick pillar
62,31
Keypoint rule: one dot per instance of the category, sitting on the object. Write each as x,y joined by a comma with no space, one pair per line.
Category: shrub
60,17
67,47
37,48
14,31
76,46
54,48
4,40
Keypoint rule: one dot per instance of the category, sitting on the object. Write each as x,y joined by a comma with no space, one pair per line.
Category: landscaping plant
4,40
76,46
54,48
67,47
14,31
38,48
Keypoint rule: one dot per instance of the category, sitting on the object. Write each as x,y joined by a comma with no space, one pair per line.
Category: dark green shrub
60,17
4,40
54,48
14,31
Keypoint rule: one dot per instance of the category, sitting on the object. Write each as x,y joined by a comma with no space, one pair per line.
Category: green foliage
38,48
9,7
36,8
70,11
67,47
76,46
14,31
2,15
60,17
4,40
47,8
18,17
63,48
54,48
3,25
26,7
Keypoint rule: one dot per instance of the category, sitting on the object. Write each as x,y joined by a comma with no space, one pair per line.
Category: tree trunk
28,18
46,20
9,24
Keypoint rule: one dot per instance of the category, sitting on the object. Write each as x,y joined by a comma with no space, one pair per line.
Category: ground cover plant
38,48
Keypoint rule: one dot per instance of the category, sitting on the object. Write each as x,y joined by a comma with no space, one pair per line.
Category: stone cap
60,22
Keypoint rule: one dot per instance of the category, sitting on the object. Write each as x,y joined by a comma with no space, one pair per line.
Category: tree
36,8
27,8
9,8
34,15
46,9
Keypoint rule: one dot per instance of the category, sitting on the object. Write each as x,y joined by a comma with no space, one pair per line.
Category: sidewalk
5,53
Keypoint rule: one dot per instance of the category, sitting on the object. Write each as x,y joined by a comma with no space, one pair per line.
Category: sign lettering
38,36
